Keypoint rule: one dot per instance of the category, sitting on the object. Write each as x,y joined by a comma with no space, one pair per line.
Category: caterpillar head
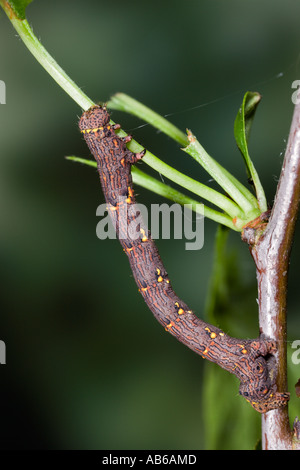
260,391
94,119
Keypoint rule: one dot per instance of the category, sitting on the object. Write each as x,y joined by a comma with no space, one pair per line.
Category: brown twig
271,253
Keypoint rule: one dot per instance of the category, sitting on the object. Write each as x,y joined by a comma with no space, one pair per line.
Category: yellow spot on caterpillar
143,289
221,334
130,191
213,335
87,131
180,311
144,239
207,329
167,281
160,279
244,351
129,249
107,127
176,304
169,325
158,271
205,351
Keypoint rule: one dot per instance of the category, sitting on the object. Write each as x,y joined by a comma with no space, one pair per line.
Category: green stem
194,186
46,60
260,193
229,183
58,74
221,176
142,179
211,195
123,102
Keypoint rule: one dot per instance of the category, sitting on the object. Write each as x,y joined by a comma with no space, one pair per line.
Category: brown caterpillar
244,358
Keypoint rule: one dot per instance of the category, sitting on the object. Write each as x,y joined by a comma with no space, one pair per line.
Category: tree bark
271,253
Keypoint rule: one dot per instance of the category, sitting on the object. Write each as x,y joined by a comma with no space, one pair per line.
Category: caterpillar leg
273,401
126,139
132,158
263,346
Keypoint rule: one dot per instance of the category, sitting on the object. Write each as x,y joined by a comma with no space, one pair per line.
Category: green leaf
18,7
217,291
243,123
229,303
242,127
226,412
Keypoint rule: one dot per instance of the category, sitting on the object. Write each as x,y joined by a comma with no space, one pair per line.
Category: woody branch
271,255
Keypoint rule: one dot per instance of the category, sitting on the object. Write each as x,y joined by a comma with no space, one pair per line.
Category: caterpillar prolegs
247,359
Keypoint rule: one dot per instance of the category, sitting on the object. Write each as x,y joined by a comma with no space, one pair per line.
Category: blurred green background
88,366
